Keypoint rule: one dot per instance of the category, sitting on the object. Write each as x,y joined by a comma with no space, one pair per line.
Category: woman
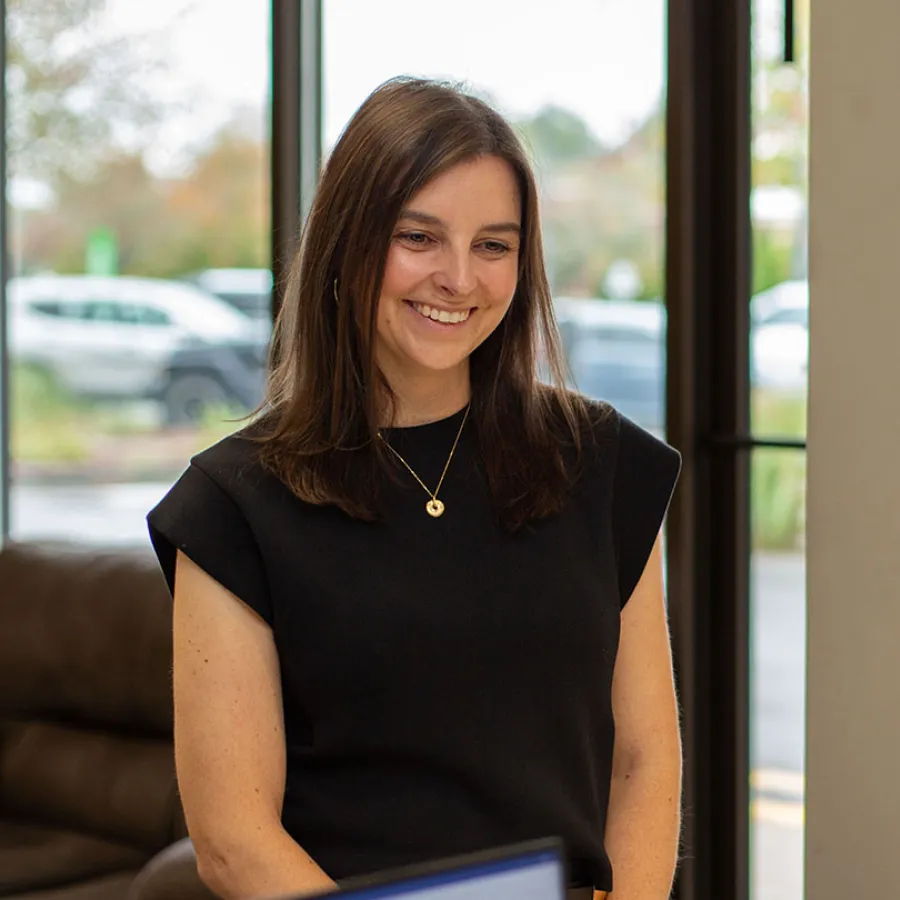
412,597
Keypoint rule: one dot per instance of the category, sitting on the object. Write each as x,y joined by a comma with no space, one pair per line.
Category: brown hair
320,414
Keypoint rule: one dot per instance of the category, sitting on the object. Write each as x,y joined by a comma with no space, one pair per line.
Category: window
138,161
780,350
592,114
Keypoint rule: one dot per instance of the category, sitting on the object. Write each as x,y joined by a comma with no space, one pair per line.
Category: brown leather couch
88,803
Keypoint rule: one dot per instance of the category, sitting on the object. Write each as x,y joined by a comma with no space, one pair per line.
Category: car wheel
189,396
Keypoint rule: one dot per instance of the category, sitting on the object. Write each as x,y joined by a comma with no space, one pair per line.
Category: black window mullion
296,126
708,412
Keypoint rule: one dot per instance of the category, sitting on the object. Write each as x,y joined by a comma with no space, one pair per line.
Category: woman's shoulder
234,460
594,421
610,440
605,424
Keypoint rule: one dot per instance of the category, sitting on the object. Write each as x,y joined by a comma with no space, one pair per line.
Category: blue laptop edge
469,869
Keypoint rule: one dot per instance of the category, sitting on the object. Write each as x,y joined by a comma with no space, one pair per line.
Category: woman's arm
230,746
643,823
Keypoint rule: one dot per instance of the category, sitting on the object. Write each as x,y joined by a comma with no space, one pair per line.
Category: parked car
616,352
780,337
783,303
616,349
248,290
124,338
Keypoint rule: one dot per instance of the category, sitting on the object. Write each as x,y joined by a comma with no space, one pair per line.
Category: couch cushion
118,787
110,887
85,635
33,858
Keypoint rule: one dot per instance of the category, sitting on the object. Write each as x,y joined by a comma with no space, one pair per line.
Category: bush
778,476
778,499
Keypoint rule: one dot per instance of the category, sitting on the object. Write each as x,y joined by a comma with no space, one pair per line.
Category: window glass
138,180
779,355
585,89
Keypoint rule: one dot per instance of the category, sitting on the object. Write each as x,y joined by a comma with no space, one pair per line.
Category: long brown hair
320,413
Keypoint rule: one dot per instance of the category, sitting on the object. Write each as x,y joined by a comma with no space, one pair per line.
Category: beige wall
853,710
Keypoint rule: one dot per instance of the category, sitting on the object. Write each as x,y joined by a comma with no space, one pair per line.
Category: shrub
778,476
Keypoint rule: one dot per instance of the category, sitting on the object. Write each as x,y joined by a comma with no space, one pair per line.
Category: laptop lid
534,870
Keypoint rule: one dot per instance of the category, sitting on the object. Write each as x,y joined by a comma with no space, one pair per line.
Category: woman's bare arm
644,814
230,745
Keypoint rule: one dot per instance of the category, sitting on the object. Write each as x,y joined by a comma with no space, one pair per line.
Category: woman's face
451,271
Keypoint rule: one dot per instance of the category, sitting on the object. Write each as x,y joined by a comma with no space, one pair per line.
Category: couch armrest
171,875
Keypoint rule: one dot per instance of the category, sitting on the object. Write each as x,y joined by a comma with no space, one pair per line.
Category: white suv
129,338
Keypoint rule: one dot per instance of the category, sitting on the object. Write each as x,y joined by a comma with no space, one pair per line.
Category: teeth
441,315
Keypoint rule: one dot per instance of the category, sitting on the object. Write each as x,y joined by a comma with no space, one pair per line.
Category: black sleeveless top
446,684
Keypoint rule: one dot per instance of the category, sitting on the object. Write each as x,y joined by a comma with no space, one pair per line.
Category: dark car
615,350
207,377
248,290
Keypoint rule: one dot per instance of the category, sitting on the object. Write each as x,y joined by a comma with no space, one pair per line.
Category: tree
556,136
608,207
216,215
221,211
77,96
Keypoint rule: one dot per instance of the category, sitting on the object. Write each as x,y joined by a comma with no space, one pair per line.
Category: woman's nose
456,274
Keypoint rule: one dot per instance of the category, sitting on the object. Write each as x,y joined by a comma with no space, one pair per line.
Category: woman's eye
495,247
416,238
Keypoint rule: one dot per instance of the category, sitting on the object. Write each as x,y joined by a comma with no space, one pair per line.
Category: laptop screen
523,872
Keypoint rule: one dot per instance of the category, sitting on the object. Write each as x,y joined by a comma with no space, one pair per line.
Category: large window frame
708,269
708,241
708,286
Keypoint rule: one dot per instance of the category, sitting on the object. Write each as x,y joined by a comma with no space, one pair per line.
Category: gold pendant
434,508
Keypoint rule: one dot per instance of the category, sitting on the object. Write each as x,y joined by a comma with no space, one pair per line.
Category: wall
853,708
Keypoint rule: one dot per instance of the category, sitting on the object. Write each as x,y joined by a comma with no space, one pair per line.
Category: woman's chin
417,361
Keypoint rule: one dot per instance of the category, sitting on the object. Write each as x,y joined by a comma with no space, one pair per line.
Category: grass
47,424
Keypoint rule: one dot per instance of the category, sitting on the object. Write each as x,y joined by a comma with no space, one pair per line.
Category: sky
603,59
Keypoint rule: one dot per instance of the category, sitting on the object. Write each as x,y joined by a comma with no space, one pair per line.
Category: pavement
113,515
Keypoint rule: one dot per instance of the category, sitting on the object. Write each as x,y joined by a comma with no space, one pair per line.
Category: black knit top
446,683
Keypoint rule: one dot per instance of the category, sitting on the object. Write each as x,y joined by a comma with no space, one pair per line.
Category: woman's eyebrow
427,219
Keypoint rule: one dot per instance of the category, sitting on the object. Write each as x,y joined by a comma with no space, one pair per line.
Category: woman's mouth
443,316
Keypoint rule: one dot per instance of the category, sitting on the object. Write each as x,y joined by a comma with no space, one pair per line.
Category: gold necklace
434,507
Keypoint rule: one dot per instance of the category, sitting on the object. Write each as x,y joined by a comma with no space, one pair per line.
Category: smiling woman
447,285
427,199
418,600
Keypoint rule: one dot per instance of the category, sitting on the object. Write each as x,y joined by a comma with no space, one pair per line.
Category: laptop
534,870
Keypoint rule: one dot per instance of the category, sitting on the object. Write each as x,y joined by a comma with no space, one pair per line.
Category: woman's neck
418,401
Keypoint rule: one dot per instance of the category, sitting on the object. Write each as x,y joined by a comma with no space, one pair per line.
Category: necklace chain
434,507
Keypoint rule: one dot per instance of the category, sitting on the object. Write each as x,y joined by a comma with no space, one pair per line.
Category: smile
441,315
